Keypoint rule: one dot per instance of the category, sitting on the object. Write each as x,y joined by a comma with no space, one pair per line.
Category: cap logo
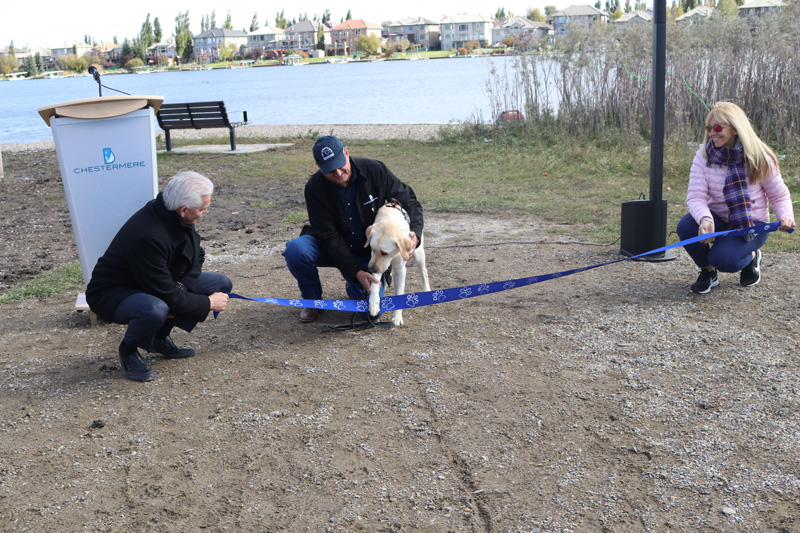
326,153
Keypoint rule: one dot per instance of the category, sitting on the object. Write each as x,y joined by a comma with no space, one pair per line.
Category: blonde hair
758,156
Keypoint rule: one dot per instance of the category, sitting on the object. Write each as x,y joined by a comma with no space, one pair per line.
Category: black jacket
151,253
327,214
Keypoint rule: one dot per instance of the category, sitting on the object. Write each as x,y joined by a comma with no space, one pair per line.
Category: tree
183,36
280,20
536,15
728,8
29,65
39,62
549,10
8,64
598,5
688,5
227,51
158,33
127,49
203,23
369,44
628,7
500,13
326,17
115,40
228,22
254,23
139,49
146,33
212,20
321,37
349,16
11,50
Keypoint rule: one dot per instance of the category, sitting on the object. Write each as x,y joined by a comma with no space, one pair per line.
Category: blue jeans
146,314
726,254
303,257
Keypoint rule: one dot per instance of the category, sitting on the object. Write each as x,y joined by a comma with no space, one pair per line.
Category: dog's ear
369,232
405,244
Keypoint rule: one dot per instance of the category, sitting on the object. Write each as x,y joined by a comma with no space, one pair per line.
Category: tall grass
599,79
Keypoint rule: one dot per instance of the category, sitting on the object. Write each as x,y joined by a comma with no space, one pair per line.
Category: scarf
735,190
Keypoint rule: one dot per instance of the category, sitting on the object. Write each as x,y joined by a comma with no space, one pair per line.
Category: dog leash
420,299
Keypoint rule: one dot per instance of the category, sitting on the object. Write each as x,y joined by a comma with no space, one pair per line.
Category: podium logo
108,156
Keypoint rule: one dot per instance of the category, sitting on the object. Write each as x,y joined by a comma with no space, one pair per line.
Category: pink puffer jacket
705,192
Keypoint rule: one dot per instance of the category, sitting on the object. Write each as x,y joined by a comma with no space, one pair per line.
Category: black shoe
169,350
134,366
705,281
751,274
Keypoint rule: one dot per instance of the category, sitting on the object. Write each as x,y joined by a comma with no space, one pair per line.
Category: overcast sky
51,23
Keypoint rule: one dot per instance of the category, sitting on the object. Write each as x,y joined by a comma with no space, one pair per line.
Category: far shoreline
420,132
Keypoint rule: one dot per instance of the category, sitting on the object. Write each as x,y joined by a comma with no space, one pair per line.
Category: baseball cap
329,154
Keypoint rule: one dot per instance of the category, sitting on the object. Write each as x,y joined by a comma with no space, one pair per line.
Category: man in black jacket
342,199
151,278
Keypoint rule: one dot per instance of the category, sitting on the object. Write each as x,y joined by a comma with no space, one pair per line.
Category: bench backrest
193,115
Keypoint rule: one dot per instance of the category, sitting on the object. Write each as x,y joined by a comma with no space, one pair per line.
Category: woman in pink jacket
734,178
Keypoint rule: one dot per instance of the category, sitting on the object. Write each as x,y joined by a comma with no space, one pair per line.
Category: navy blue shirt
357,239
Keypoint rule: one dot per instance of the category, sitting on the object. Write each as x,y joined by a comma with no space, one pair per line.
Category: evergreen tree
349,16
598,5
11,50
228,22
549,10
326,17
212,21
139,49
115,40
254,23
321,37
126,48
29,66
500,14
39,62
158,33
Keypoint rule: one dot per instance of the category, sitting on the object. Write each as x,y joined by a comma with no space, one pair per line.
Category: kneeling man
151,275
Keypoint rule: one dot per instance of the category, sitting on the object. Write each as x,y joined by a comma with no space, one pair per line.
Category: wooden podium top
100,107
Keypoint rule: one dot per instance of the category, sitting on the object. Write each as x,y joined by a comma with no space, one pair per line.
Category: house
77,48
207,45
698,14
458,30
415,30
265,39
758,8
521,30
634,19
588,15
345,35
304,35
162,53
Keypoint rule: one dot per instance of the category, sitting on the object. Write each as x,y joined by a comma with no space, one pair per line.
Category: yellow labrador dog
391,245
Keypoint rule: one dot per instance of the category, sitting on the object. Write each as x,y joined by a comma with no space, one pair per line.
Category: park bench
196,115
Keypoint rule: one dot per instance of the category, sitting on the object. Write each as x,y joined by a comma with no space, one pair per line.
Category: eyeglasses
716,127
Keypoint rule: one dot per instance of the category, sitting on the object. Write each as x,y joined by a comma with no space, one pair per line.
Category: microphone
96,75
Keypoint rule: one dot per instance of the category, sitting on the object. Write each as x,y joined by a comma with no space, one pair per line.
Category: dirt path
611,400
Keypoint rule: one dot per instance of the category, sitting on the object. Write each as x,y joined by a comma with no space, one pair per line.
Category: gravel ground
610,400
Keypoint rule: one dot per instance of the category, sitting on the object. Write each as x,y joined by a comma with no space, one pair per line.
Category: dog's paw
374,307
397,318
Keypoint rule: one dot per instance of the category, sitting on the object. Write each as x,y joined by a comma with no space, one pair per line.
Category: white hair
186,189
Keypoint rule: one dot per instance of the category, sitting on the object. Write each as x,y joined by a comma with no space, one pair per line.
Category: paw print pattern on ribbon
319,304
508,285
361,306
465,292
387,304
412,300
483,288
439,296
296,303
338,304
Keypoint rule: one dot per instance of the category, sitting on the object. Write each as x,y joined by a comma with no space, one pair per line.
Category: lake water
434,91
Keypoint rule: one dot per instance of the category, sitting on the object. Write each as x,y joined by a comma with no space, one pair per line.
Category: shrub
135,62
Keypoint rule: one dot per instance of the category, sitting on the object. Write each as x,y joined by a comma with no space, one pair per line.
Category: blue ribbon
421,299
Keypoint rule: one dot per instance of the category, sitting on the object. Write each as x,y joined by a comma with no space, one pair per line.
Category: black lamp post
644,222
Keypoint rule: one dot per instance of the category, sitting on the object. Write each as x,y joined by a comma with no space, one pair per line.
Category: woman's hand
706,226
786,224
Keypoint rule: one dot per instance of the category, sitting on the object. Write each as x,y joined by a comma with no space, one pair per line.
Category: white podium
106,150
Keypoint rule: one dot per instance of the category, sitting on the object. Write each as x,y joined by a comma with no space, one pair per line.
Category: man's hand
219,301
365,279
414,241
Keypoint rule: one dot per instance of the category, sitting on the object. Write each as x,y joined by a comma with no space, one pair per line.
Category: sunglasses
716,127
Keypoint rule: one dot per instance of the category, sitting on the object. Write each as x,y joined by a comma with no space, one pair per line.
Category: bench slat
196,115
